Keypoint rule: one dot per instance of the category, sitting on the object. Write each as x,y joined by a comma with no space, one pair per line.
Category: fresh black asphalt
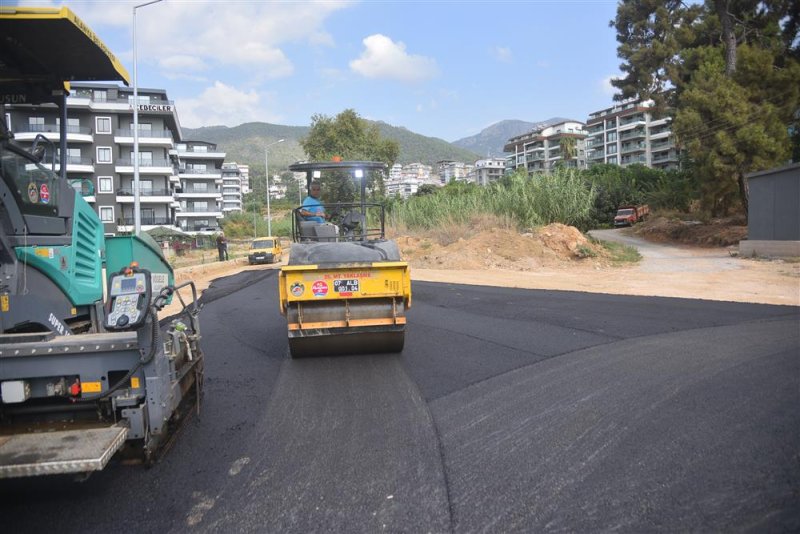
508,411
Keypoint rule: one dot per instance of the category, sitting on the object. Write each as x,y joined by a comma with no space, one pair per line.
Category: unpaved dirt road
665,270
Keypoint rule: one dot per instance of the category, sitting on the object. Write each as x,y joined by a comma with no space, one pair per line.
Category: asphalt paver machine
345,288
85,368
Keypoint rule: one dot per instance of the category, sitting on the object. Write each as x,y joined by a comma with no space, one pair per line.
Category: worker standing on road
312,209
222,247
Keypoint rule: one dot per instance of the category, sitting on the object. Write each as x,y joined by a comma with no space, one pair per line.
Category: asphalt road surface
508,411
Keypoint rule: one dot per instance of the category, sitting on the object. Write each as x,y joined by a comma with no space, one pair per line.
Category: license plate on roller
349,285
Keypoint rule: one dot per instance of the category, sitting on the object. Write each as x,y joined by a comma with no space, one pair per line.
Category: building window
611,136
100,95
8,121
107,214
103,154
102,125
105,184
611,149
145,158
73,156
200,148
200,187
143,99
612,160
145,127
36,124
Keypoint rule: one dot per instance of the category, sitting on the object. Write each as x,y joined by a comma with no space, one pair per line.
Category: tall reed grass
562,196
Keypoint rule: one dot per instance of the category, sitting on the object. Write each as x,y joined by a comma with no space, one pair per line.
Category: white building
200,196
231,188
244,171
627,133
405,187
540,150
449,170
487,171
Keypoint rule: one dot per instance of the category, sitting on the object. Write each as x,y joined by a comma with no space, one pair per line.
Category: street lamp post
137,216
266,171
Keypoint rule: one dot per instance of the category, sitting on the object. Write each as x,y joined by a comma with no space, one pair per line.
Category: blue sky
443,69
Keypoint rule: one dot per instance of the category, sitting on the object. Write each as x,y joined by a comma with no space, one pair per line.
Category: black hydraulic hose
129,374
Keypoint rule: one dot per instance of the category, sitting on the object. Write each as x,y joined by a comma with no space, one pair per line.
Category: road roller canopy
345,215
43,49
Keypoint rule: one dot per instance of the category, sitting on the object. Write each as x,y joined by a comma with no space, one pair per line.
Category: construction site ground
679,259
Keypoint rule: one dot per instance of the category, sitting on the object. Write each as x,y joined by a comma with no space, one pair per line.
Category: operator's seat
307,228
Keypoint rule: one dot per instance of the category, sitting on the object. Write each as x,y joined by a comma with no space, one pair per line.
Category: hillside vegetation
245,144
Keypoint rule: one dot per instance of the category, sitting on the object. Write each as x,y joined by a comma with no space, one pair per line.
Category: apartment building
487,171
200,194
403,186
231,188
449,170
100,161
541,149
627,133
244,172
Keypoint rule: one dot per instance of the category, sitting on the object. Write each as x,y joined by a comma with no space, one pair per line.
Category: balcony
661,145
149,196
635,159
633,119
147,106
154,166
197,192
596,154
75,164
634,147
199,154
668,156
75,134
633,134
149,221
660,133
146,137
188,172
190,211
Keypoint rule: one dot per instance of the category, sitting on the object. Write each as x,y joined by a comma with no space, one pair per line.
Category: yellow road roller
345,288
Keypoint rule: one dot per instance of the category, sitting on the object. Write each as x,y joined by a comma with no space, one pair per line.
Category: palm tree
569,149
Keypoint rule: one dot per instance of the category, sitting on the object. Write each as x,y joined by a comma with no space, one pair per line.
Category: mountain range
491,140
247,143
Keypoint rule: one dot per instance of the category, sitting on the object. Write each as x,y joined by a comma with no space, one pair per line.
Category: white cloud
382,58
543,64
606,87
248,39
502,54
226,105
182,63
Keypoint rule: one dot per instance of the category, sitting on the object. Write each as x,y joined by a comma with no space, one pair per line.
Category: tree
727,71
426,189
352,138
569,149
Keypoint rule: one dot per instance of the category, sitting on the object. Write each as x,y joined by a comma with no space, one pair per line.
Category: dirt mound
715,233
499,248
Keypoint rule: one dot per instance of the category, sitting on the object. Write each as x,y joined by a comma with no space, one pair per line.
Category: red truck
630,215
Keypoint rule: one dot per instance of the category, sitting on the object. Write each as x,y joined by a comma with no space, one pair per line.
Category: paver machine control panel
129,299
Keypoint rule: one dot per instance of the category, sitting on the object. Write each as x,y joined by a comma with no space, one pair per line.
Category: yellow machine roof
42,48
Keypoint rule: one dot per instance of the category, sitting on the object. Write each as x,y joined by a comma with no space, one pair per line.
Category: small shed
773,215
